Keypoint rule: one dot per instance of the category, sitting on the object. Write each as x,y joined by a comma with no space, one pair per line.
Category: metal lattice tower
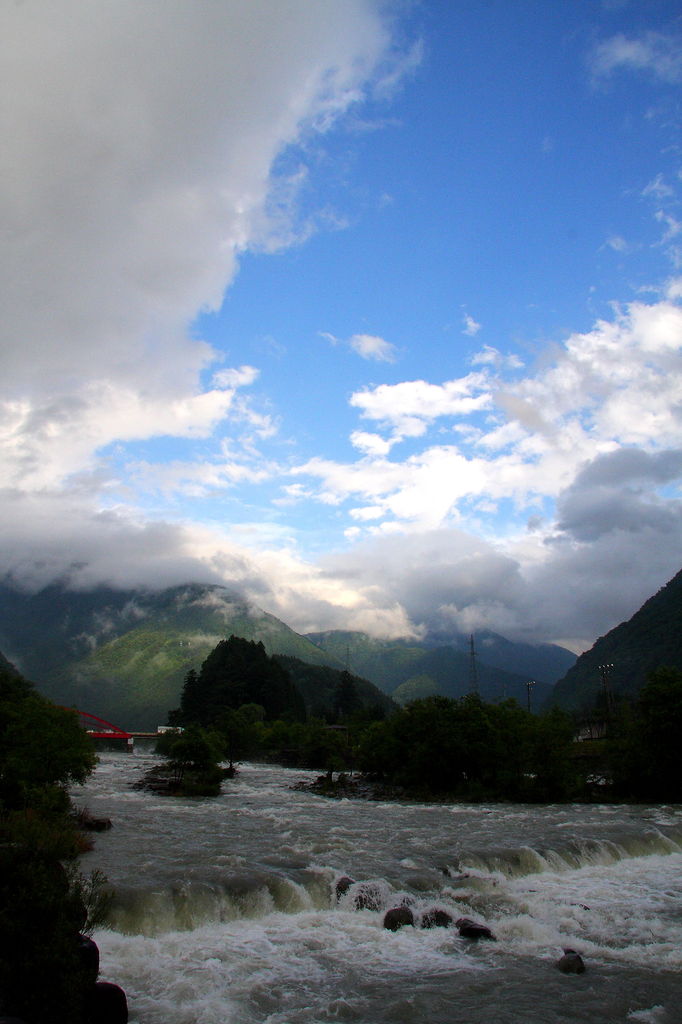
473,670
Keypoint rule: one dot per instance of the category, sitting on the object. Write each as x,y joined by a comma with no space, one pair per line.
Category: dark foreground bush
42,977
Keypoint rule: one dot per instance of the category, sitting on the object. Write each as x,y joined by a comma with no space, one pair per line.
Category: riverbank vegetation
46,906
437,747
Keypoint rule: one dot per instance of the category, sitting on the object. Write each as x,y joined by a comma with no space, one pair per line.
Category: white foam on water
626,912
251,970
250,877
653,1015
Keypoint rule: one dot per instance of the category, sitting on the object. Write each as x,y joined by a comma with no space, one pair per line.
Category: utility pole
605,672
473,672
529,686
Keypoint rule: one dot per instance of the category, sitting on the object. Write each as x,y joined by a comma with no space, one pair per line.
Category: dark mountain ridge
650,639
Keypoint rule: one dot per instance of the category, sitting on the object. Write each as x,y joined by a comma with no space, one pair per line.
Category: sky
371,311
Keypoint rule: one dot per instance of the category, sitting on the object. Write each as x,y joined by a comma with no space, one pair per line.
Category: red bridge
99,729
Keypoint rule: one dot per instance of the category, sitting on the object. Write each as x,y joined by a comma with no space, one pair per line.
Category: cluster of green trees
469,749
247,707
242,705
44,902
643,748
238,672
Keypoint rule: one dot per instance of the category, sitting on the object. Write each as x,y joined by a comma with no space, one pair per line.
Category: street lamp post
605,672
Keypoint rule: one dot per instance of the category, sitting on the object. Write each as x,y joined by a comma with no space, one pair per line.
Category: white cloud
617,243
236,377
138,155
370,346
471,327
409,407
197,478
595,431
655,52
490,356
43,443
371,444
658,188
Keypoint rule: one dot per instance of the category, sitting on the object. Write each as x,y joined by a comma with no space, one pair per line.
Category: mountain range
409,669
123,654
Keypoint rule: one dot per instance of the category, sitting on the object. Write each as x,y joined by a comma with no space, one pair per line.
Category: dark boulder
342,886
88,955
571,963
469,929
107,1004
436,919
398,917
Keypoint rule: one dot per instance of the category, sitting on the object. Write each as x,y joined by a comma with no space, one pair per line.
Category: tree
193,755
235,673
42,751
645,750
42,746
471,749
552,770
241,730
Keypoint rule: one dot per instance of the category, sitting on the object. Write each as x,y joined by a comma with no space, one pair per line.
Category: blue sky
368,310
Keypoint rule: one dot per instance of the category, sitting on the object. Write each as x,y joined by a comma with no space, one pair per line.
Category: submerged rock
570,963
469,929
398,917
436,919
368,897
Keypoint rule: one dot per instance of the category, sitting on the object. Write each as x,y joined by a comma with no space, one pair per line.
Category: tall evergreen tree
238,672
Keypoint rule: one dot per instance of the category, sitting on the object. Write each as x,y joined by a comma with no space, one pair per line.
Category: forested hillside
123,655
408,669
650,639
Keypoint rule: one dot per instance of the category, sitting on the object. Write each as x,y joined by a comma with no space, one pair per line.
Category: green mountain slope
386,662
123,655
651,638
318,684
409,669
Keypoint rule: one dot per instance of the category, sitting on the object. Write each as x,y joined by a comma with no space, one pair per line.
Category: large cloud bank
139,153
142,147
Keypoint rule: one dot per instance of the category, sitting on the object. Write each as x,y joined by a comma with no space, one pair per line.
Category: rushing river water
226,912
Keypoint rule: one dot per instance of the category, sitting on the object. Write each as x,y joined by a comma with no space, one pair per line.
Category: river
226,913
